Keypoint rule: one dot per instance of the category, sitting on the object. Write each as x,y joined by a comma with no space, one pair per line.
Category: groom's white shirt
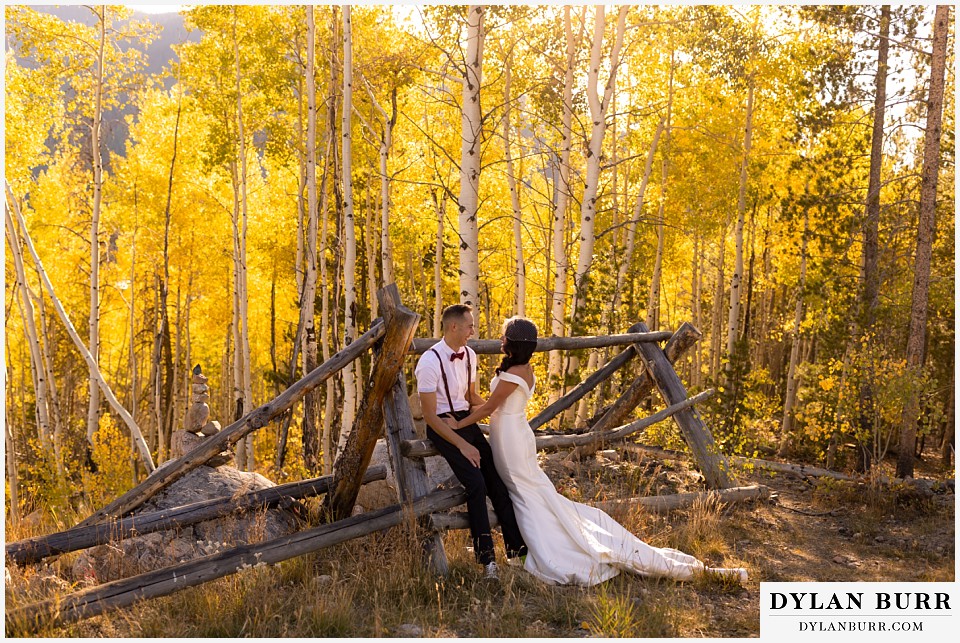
429,379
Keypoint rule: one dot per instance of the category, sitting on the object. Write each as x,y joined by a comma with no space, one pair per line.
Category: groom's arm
473,397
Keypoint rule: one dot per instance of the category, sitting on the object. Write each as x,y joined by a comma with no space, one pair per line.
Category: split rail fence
384,410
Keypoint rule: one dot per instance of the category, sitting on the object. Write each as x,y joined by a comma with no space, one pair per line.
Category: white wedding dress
568,542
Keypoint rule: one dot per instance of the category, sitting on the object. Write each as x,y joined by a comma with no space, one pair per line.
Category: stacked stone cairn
197,424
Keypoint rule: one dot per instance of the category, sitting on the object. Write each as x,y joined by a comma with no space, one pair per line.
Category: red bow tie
456,356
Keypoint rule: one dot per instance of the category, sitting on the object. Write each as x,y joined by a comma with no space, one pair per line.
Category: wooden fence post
411,474
401,324
681,341
712,464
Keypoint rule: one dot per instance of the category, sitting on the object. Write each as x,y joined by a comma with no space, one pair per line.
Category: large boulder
137,555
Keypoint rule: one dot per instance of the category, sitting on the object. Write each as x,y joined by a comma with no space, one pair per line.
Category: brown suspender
443,374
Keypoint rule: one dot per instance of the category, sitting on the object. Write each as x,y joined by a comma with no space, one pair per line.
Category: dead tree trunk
411,475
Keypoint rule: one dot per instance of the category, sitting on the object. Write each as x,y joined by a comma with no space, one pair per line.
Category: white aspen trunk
733,321
696,307
329,170
53,398
244,346
653,302
386,246
926,228
716,330
308,339
237,400
13,480
37,370
471,123
370,250
598,111
519,272
87,356
349,232
790,399
93,410
588,205
438,263
627,258
559,250
625,262
300,271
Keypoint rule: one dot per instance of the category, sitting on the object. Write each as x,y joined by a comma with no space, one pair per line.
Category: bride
568,542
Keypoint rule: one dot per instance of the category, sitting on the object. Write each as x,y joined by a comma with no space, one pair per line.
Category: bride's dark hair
520,341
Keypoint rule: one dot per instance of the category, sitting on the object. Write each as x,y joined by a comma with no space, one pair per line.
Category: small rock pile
197,424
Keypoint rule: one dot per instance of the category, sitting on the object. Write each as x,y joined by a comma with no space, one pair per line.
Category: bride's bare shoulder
523,371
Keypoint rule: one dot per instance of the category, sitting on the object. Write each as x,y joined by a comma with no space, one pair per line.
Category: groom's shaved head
454,312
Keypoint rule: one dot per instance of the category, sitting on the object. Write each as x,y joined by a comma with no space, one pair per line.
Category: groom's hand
471,453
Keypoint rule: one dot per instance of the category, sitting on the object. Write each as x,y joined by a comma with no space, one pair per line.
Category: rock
182,442
419,425
162,549
380,493
197,416
210,428
610,454
438,471
409,630
31,521
879,538
840,560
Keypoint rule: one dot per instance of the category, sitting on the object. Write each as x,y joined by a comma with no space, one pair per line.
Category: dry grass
376,586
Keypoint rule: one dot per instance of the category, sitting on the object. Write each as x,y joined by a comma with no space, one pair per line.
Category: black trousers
480,483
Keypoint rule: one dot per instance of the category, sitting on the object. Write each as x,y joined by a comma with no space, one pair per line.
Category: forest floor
811,530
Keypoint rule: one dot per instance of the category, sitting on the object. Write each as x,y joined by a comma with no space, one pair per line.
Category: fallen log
656,504
32,550
711,462
424,448
97,600
401,324
585,386
493,346
798,470
663,504
258,418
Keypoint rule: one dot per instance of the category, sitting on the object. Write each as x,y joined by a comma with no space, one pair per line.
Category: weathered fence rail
32,550
124,592
492,346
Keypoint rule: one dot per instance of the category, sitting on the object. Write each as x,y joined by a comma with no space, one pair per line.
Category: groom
447,384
